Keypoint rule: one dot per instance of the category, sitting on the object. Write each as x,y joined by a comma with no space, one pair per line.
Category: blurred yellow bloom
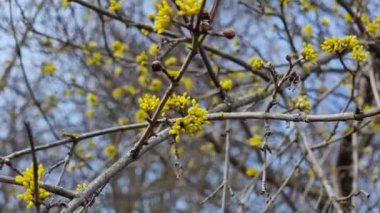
48,68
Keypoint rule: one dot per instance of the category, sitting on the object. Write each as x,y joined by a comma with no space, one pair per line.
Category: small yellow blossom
189,7
378,18
119,48
142,58
192,123
302,103
118,92
148,103
176,103
117,71
65,3
251,172
153,49
331,45
372,28
170,61
48,68
90,113
130,90
163,18
123,121
365,18
110,150
188,83
177,150
155,84
69,92
81,187
92,99
141,115
255,141
145,32
359,54
27,179
256,63
226,84
325,21
115,5
348,18
96,59
308,31
309,53
349,42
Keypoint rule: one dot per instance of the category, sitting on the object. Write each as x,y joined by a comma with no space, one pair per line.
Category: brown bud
229,33
288,57
156,66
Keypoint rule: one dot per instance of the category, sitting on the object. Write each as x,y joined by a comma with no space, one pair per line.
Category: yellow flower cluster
48,68
256,63
226,84
119,48
96,59
189,7
302,103
176,102
148,103
81,187
251,172
308,31
110,150
309,53
325,21
115,5
255,141
349,43
162,20
27,180
192,123
92,99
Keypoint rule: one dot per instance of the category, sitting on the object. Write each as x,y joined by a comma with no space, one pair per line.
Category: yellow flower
117,71
226,84
95,58
251,172
348,18
92,99
123,121
119,48
302,103
309,53
255,141
142,58
189,7
90,113
81,187
27,179
141,115
117,92
349,42
115,5
48,68
378,18
331,45
110,150
192,123
148,103
256,63
162,20
155,84
325,21
359,54
65,3
153,49
372,28
308,30
188,82
176,103
285,2
170,61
